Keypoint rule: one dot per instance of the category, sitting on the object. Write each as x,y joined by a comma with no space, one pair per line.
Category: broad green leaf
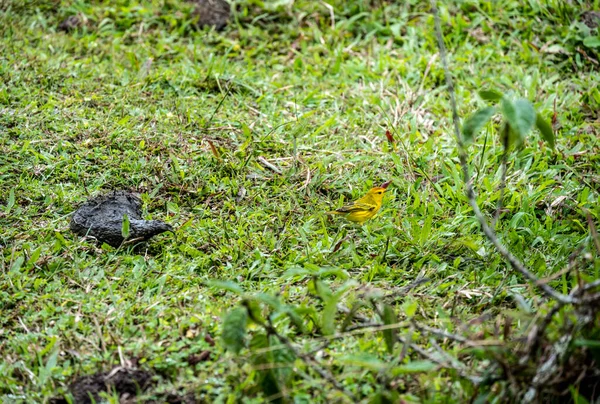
426,230
490,95
350,316
35,255
282,357
389,335
545,129
51,342
258,342
592,41
125,226
385,397
587,343
328,316
520,116
225,285
268,299
414,367
294,317
234,329
11,201
364,360
16,266
254,310
475,122
577,397
409,307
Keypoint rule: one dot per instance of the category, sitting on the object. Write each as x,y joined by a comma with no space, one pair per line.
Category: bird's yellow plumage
364,208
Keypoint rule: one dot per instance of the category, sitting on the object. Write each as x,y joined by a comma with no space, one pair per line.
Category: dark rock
212,13
102,218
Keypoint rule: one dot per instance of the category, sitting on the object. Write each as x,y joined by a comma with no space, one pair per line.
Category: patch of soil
176,398
122,381
212,13
71,23
102,218
591,19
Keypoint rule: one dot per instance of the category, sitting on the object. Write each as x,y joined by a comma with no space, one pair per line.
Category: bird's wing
357,206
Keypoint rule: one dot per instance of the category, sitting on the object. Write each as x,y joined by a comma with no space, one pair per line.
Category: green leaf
364,360
16,266
229,286
282,357
294,317
490,95
410,307
125,226
587,343
577,398
386,397
269,300
592,41
234,329
35,255
520,116
426,230
389,335
414,367
259,342
11,201
475,122
545,129
328,316
254,310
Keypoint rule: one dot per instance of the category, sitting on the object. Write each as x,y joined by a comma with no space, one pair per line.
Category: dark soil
176,398
70,23
102,218
212,13
591,19
126,383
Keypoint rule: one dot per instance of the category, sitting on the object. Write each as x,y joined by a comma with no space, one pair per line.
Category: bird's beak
385,184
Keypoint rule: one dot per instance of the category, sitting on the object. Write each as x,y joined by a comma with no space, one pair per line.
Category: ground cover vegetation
241,140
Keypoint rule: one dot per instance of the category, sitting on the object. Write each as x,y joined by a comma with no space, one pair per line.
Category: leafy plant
519,118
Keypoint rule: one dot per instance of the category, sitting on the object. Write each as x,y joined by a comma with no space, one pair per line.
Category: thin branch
308,359
502,187
535,336
440,333
444,364
514,262
591,285
405,289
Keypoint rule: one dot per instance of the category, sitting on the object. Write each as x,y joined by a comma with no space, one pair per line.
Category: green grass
133,101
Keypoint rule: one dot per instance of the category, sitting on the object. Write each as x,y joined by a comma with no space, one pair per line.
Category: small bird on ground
364,208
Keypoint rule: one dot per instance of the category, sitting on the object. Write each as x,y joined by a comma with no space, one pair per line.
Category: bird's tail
334,212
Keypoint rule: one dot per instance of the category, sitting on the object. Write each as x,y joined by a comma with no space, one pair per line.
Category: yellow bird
364,208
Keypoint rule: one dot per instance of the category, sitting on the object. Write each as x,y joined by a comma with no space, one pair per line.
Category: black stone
102,218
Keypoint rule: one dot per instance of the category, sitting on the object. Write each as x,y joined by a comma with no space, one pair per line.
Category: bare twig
307,358
265,163
454,337
502,186
514,262
535,336
442,363
591,285
405,289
